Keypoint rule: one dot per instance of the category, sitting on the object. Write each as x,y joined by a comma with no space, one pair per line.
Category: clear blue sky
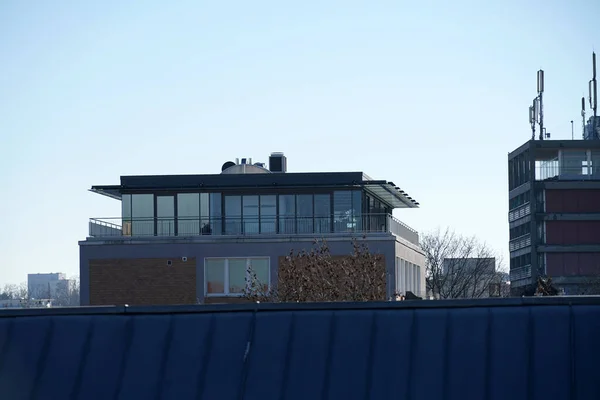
431,95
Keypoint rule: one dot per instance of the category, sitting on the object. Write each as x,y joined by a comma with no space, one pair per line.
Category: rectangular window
268,214
215,226
287,213
231,276
126,214
205,227
304,203
233,215
250,215
165,215
322,213
342,210
188,214
142,214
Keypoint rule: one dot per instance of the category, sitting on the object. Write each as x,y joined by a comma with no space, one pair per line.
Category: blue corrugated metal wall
458,350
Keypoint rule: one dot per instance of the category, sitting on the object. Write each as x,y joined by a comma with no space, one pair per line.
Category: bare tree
317,276
461,267
67,295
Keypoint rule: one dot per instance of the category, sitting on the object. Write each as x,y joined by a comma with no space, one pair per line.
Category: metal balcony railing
520,242
519,212
264,225
519,273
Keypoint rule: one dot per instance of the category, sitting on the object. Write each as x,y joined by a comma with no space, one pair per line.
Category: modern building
47,285
190,238
554,214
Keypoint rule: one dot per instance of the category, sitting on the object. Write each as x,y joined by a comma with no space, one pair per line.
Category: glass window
304,215
126,214
216,223
357,209
595,163
260,267
188,217
287,213
342,210
165,216
215,276
574,162
268,213
250,208
225,277
233,215
142,214
237,275
205,227
322,213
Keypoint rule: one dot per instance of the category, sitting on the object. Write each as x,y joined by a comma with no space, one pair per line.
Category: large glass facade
190,214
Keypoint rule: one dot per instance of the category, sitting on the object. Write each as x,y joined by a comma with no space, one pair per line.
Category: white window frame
226,273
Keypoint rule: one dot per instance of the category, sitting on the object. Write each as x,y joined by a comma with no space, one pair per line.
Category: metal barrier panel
459,350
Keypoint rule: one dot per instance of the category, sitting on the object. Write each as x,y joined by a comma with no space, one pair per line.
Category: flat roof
385,190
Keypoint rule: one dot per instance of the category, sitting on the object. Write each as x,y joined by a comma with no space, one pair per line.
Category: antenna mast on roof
540,89
593,87
583,116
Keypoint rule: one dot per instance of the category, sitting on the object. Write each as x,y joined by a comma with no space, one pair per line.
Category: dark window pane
357,209
237,275
126,213
188,217
268,213
287,213
215,276
205,227
215,227
322,213
250,211
304,217
165,215
142,214
342,210
233,215
260,268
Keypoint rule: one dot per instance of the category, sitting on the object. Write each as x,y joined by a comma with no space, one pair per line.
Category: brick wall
142,281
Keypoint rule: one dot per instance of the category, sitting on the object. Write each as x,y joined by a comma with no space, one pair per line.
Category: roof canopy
386,191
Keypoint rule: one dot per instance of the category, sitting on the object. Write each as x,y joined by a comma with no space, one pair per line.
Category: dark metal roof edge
345,306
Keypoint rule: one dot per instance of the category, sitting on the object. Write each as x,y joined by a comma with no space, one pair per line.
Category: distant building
554,209
48,285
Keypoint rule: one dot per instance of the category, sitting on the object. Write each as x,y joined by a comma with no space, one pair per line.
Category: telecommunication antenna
583,117
533,117
593,87
540,89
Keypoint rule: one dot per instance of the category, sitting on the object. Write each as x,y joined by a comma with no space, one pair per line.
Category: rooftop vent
277,162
